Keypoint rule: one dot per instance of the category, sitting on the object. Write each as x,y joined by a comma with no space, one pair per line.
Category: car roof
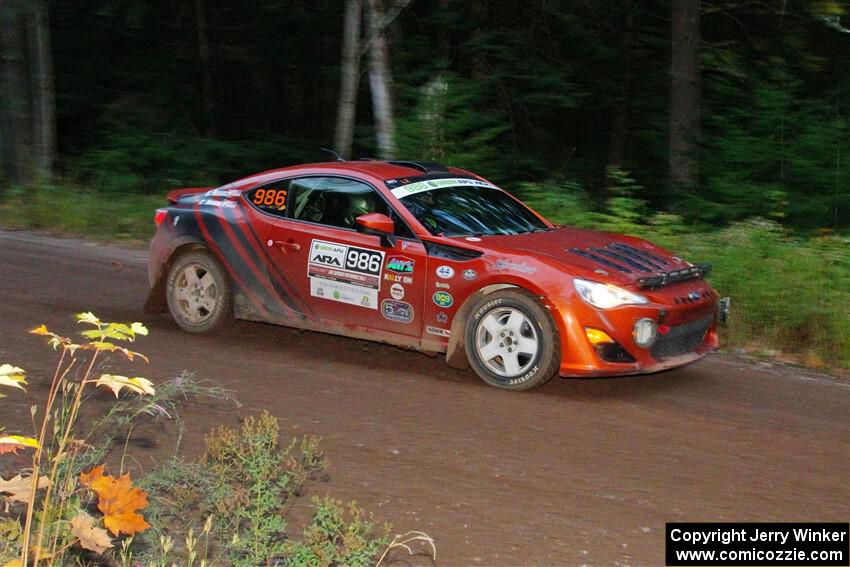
379,169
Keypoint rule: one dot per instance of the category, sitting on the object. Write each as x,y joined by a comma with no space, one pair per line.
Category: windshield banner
431,184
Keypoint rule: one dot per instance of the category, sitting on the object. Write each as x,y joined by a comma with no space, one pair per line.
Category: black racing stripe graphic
209,233
253,257
279,280
251,271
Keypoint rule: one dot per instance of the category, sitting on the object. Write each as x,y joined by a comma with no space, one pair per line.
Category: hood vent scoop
623,258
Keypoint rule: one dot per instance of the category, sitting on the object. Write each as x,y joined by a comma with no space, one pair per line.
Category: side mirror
378,224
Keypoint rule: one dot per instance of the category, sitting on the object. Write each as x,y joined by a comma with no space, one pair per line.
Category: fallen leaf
18,487
11,443
91,537
118,500
92,475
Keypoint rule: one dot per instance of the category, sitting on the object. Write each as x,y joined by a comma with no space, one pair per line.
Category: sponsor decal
473,239
514,266
400,264
398,278
218,203
445,272
442,285
431,184
397,291
343,273
442,318
469,275
443,299
397,311
223,193
176,220
438,331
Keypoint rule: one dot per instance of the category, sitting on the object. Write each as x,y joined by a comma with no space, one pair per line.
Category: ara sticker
438,331
343,273
445,272
397,291
397,311
400,264
443,299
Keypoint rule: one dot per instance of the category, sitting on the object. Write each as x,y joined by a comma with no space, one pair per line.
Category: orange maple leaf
118,500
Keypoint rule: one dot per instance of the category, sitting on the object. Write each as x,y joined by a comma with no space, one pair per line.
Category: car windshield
471,211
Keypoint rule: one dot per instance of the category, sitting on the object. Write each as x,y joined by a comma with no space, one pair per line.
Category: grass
790,297
72,210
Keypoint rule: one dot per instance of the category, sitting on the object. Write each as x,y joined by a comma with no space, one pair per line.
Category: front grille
681,339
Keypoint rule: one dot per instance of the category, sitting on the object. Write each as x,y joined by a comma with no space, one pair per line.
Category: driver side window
333,201
336,201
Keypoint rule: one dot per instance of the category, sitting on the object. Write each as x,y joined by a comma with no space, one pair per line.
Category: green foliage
445,125
74,210
774,154
247,481
132,161
789,295
336,538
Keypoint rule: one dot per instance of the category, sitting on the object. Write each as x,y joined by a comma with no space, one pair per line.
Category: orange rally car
429,257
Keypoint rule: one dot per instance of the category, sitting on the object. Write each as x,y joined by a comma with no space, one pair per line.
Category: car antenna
336,156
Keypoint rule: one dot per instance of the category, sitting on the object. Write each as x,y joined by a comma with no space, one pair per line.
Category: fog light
596,337
645,333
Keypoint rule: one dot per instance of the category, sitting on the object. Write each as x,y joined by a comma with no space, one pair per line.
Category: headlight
606,296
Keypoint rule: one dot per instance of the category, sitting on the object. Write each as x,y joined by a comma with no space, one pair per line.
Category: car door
347,278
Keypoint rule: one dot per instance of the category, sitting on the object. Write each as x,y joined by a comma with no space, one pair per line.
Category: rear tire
511,341
198,293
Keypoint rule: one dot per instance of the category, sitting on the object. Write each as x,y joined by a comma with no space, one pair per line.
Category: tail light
159,216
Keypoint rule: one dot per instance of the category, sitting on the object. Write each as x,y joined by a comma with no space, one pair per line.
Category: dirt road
582,472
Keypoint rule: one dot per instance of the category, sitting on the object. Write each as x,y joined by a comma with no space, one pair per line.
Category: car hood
621,258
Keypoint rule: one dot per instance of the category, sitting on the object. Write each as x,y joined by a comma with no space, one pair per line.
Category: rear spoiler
174,195
673,276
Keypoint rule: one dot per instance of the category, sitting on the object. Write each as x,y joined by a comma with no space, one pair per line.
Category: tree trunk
380,82
685,93
15,134
206,69
43,91
349,79
618,137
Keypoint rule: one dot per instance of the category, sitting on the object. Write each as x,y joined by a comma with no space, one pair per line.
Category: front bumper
688,331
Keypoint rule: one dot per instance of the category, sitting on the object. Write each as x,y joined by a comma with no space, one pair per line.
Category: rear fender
156,302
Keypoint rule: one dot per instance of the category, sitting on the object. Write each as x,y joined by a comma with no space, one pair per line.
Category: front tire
511,341
198,293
